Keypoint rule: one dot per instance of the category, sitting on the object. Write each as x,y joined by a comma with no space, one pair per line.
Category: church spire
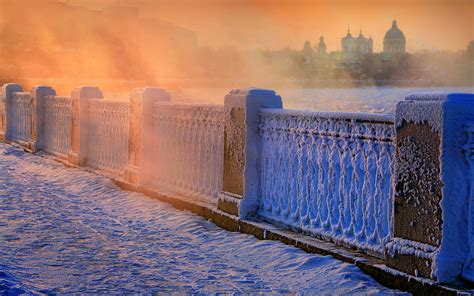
348,32
394,24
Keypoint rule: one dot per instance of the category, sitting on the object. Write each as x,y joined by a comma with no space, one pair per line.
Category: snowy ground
69,231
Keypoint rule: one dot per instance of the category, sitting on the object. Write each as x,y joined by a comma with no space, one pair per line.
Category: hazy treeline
425,68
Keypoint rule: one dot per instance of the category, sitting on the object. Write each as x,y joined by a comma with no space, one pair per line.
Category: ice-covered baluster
307,175
371,177
314,181
295,161
385,181
335,178
346,183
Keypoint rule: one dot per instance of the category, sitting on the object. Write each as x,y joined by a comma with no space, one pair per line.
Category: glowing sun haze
427,24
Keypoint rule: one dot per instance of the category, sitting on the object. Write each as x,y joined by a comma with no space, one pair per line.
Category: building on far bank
307,53
394,42
353,49
321,50
470,49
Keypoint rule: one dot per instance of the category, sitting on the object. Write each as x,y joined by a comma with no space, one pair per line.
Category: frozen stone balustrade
329,174
108,135
57,125
188,148
397,189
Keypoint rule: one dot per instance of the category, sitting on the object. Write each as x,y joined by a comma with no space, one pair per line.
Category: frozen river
361,99
68,231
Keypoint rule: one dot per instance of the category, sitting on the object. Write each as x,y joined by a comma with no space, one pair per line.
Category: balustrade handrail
108,102
191,112
58,98
358,117
191,105
359,126
20,94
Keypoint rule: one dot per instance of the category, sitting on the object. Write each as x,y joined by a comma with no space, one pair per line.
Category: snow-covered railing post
80,122
241,177
7,123
468,269
432,192
141,132
38,95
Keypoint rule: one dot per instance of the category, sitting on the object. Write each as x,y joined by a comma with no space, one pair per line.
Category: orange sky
427,24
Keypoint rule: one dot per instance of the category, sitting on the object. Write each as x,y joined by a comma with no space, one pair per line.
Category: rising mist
124,44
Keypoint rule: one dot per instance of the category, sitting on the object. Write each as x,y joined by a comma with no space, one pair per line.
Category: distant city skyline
427,24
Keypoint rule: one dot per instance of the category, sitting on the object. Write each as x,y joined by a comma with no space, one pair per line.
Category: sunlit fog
199,50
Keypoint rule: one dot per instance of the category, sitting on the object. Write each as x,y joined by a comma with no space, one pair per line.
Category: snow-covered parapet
80,122
108,135
433,209
6,116
241,179
141,148
329,174
38,96
21,117
22,114
187,153
57,126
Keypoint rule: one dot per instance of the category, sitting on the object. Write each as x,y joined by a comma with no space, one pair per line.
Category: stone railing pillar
241,177
80,122
433,188
38,95
141,133
7,92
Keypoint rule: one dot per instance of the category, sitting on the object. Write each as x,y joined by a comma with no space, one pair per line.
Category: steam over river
364,99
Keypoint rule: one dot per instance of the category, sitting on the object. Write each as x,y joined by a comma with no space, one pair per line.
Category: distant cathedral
307,53
321,47
394,41
354,48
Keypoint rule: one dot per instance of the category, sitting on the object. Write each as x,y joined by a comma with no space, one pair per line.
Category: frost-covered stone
38,96
432,197
138,170
7,120
241,187
80,122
